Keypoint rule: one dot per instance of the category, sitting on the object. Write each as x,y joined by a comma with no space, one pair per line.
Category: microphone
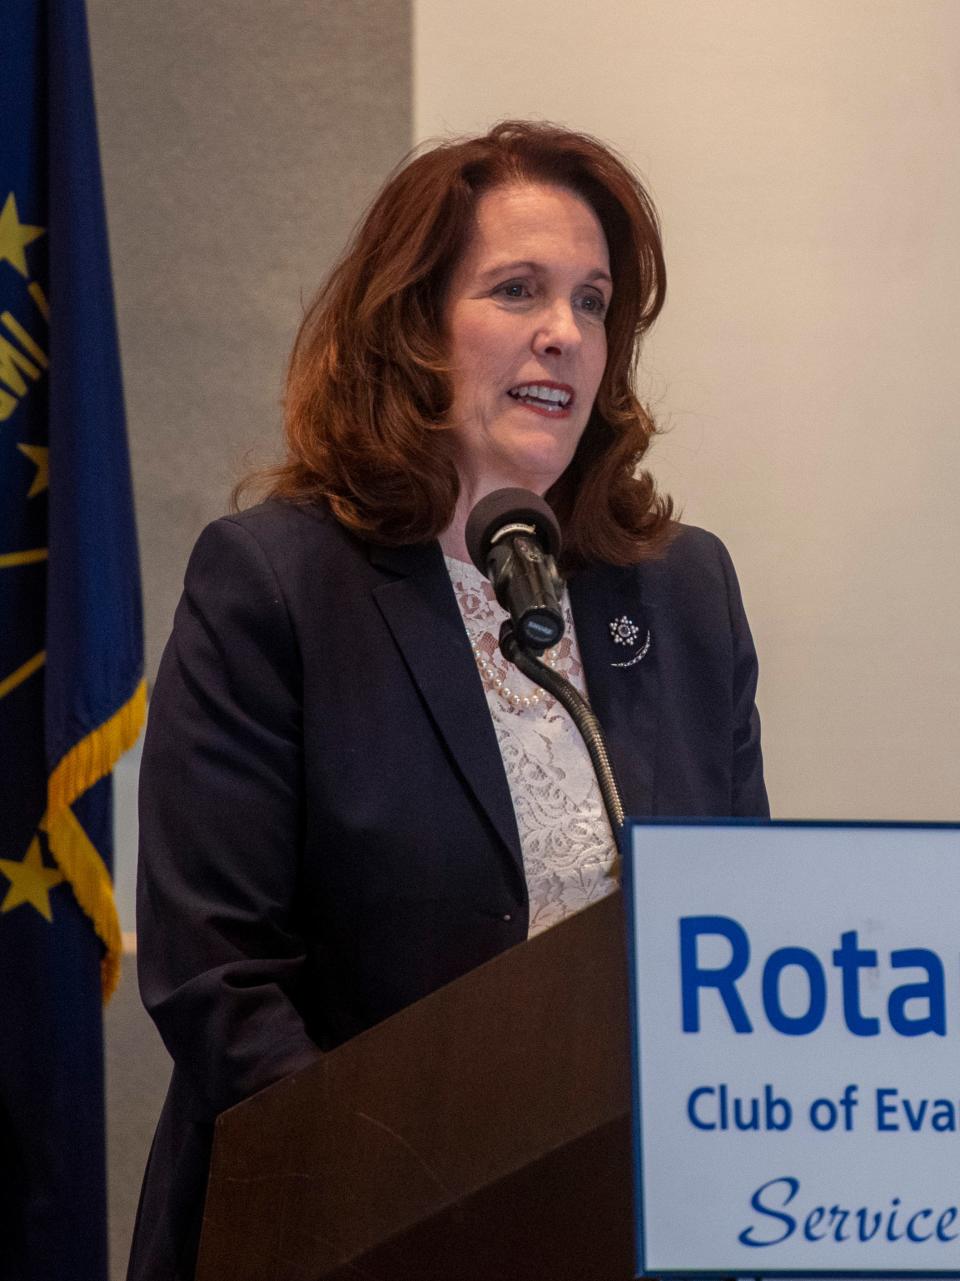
513,539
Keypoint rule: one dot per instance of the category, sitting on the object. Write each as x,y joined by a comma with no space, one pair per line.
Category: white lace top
568,848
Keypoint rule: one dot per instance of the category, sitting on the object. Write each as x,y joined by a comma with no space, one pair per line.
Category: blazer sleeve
749,794
219,953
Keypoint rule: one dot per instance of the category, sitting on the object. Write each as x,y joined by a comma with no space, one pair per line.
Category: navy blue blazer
326,829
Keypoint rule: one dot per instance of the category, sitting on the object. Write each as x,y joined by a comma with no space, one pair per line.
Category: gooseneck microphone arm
581,713
513,538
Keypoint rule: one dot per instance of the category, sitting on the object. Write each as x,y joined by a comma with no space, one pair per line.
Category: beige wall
804,155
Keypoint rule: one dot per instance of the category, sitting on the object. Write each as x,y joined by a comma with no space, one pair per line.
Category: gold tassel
80,861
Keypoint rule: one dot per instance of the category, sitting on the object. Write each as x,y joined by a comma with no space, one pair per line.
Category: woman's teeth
552,398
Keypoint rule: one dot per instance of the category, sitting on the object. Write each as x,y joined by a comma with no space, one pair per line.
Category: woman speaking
348,796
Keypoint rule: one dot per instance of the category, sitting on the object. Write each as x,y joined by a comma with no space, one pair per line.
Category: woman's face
525,325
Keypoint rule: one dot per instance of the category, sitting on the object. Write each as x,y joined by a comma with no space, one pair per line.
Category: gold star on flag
30,881
40,458
15,236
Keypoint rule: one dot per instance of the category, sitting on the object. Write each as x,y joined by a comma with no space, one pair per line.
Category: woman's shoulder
691,557
282,561
696,576
277,521
691,578
692,543
284,534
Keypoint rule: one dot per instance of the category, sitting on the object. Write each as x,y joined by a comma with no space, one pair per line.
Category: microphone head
509,507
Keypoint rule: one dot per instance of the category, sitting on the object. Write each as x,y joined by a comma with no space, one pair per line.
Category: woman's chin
532,464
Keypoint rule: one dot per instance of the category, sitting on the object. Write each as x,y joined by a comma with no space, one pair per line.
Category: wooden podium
482,1134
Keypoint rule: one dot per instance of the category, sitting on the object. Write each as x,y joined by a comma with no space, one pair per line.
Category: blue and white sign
796,993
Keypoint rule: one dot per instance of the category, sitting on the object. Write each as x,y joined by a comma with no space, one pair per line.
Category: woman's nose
558,331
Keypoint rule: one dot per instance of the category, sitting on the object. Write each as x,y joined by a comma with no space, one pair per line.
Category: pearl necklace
496,679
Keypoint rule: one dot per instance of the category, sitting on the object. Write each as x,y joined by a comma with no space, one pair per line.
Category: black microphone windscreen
508,507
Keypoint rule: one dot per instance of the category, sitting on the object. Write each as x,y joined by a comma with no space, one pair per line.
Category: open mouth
543,396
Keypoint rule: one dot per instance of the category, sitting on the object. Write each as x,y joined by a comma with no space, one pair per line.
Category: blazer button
508,916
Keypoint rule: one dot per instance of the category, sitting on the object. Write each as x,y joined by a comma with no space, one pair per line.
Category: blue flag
71,650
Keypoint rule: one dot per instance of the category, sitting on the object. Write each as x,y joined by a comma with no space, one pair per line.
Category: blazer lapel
421,611
625,698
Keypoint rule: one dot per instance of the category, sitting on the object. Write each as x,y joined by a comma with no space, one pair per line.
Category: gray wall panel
240,141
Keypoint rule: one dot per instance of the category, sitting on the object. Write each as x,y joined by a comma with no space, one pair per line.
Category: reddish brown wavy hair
369,386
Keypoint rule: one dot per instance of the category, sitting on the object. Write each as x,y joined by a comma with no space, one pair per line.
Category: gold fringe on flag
80,862
95,755
85,764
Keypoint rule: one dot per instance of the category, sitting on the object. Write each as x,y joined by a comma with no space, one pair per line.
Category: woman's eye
594,304
514,289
